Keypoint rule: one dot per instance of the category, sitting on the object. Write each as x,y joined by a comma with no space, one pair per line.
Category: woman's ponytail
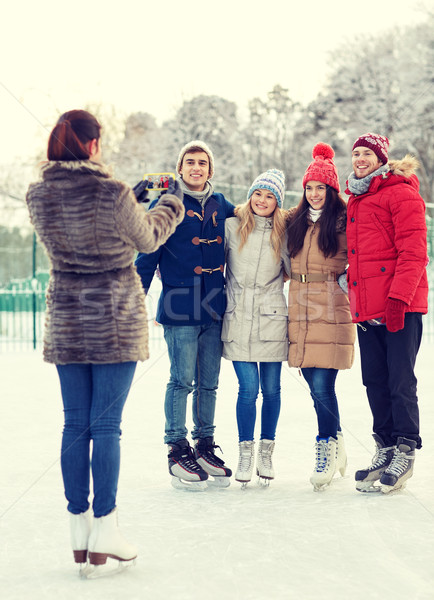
72,132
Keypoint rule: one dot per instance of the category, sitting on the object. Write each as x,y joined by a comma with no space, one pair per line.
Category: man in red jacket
388,292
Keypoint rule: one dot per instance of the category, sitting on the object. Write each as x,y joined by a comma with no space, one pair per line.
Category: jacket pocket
273,323
228,327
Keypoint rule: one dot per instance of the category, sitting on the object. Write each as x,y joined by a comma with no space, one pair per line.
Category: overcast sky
150,56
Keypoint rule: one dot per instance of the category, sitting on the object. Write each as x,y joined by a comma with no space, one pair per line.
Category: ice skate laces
321,448
399,463
381,458
245,459
266,453
186,457
208,454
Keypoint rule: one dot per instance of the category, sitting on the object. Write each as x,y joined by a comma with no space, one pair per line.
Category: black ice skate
204,453
185,471
401,466
365,478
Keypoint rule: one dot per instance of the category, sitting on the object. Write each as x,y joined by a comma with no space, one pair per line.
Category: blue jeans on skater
93,399
322,389
249,379
195,355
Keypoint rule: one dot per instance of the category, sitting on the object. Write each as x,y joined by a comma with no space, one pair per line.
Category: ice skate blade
218,482
320,487
264,481
108,569
368,487
390,489
191,486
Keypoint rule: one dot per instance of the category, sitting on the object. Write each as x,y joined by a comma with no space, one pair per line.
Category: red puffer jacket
387,244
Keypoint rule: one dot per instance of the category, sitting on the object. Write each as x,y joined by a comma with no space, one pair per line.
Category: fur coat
90,225
387,243
321,333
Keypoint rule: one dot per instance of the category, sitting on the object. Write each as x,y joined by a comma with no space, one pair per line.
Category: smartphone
158,181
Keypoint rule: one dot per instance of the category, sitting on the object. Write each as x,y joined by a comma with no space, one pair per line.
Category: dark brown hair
72,132
334,207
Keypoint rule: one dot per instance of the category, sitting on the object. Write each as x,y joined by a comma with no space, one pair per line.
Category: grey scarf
361,186
202,196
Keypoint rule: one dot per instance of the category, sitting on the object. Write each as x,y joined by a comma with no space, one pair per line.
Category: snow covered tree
213,120
139,150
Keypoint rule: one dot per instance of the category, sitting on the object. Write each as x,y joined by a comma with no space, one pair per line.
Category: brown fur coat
90,225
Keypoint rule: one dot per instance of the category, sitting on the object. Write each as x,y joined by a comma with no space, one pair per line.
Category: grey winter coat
256,318
90,225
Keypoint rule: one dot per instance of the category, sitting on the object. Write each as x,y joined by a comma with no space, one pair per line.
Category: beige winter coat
321,333
90,225
255,322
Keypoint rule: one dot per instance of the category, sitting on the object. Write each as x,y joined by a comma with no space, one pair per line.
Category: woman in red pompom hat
321,333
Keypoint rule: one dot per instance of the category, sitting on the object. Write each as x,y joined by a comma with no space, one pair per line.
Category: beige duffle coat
321,333
256,318
90,225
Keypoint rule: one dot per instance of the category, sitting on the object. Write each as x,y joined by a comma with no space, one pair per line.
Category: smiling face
316,192
365,161
263,202
195,170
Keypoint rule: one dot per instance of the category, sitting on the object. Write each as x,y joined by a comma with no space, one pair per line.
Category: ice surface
284,542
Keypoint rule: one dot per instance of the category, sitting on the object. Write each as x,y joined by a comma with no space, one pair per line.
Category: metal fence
22,314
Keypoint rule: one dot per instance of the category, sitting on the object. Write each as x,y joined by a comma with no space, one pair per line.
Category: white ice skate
245,463
264,465
341,455
325,463
107,542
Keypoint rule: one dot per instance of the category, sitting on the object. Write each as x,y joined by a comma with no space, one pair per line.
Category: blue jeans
93,398
322,389
195,354
249,378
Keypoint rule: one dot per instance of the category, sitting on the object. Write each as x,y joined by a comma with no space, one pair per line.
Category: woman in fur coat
254,329
96,325
321,334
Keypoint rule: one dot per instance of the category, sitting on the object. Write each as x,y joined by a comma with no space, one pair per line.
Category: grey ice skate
366,478
401,466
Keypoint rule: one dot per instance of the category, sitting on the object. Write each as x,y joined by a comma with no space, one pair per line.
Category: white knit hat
273,180
202,146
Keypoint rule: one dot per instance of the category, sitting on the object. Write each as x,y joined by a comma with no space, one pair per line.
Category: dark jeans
322,389
249,378
93,398
388,361
195,355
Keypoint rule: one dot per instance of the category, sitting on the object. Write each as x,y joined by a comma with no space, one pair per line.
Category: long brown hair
245,214
334,207
72,132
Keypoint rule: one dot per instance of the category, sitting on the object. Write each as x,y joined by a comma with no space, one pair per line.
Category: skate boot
107,541
80,526
401,466
365,478
186,472
341,455
325,463
204,453
264,465
245,463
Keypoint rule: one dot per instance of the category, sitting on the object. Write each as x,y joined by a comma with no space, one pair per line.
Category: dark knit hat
322,168
375,142
273,180
203,147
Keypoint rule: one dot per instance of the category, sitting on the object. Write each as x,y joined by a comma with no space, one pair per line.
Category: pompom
323,150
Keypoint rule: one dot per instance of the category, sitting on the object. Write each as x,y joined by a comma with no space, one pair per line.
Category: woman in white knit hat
254,330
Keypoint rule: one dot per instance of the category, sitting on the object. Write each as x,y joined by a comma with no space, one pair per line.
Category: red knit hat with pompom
322,168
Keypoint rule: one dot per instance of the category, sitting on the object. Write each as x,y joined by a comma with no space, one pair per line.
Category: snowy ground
285,542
